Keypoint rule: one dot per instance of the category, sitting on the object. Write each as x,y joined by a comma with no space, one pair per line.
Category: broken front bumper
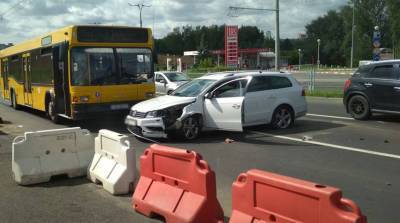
150,127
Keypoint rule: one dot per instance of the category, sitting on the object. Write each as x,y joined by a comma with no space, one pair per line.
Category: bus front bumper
87,111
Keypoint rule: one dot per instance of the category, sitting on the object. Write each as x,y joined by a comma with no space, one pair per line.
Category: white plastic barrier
37,156
113,163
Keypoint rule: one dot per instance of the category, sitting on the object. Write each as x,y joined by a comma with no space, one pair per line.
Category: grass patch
325,94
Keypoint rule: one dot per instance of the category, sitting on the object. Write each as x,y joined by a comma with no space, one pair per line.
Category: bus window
98,66
135,65
93,66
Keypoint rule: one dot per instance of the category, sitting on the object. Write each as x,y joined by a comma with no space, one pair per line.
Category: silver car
168,81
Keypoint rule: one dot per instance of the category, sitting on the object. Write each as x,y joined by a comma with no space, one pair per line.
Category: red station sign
231,46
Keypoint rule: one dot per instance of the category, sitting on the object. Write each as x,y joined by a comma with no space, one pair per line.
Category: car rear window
361,71
383,72
263,83
280,82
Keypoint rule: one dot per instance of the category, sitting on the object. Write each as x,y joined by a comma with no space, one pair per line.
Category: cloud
36,17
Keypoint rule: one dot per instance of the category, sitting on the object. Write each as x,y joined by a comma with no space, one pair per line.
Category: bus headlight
149,95
84,98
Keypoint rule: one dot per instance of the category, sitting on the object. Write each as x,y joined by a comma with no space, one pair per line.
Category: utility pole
318,61
299,50
233,10
140,6
352,36
277,37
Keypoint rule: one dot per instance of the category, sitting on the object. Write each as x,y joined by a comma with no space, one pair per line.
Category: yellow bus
80,71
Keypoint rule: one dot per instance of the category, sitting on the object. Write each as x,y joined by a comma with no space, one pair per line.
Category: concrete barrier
113,163
37,156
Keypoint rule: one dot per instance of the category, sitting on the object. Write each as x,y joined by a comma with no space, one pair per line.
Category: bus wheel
51,112
14,101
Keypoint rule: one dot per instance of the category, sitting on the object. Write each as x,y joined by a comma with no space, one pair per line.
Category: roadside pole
311,79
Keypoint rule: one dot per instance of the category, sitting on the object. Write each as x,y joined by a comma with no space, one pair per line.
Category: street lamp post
299,59
277,36
352,36
318,61
140,6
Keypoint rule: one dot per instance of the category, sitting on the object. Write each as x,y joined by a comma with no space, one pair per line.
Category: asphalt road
361,158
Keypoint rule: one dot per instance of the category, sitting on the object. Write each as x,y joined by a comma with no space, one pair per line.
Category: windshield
193,88
176,77
110,66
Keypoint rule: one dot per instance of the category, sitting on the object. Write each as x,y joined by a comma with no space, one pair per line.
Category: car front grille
137,114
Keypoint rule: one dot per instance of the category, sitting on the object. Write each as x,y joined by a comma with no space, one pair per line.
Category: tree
330,30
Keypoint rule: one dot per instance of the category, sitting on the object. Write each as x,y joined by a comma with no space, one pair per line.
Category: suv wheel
282,118
358,107
190,128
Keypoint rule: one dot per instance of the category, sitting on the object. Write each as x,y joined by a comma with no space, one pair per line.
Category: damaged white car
221,101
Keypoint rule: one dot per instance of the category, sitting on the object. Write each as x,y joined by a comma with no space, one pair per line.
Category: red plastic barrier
178,185
263,197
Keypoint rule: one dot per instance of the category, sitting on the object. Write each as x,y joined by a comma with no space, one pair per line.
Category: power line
10,9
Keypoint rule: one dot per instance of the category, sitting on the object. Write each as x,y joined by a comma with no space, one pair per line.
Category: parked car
167,81
221,101
373,88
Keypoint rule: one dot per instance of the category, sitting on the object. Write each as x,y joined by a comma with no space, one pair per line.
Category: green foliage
206,38
206,63
325,94
333,28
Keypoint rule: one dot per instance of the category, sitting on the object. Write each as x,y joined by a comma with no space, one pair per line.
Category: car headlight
155,114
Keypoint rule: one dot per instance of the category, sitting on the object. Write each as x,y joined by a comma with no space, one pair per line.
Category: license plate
119,106
131,122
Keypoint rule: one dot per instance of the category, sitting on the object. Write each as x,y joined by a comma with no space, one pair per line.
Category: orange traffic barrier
259,196
178,185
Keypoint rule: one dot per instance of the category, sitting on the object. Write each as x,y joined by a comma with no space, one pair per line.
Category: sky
25,19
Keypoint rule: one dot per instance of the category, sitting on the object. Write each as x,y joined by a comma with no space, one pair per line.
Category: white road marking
332,146
329,116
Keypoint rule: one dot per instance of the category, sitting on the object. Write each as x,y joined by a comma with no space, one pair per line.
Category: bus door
26,65
4,72
61,80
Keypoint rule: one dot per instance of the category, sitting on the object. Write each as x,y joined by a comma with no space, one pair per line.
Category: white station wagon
221,101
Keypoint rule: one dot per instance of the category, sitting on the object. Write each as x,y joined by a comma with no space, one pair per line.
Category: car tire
14,103
282,117
358,107
51,112
190,128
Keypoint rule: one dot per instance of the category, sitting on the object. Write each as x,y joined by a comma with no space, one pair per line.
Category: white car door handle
236,106
368,84
396,88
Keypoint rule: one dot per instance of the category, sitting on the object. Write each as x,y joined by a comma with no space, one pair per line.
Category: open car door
223,107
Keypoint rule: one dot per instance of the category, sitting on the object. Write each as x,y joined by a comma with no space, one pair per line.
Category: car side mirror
209,95
162,81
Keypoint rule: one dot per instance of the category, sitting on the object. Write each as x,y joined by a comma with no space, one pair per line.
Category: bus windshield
110,66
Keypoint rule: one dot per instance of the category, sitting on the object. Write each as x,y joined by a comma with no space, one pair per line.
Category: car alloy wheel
190,128
359,107
283,118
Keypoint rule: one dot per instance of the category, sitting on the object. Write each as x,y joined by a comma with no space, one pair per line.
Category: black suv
373,88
